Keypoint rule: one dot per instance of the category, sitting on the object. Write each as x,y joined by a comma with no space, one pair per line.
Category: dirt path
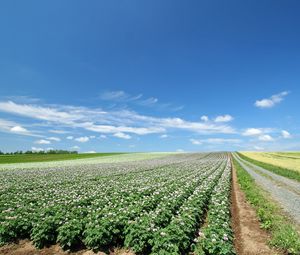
25,247
249,238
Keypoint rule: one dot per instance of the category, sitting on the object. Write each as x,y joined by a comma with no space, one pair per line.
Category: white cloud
75,147
222,140
35,149
198,127
13,127
252,132
18,129
265,138
43,113
114,129
149,101
112,122
92,137
102,136
70,137
204,118
82,139
285,134
42,141
224,118
196,142
60,132
54,139
122,135
89,152
272,101
119,95
113,95
214,141
179,150
164,136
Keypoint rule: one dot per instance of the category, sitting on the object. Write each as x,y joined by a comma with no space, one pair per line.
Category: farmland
36,157
288,160
145,203
155,206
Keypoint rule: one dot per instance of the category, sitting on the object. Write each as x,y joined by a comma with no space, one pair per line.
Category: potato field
176,204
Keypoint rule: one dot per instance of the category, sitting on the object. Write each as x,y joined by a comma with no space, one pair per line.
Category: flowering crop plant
151,206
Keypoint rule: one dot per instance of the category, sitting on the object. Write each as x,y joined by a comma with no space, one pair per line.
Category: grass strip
291,174
284,235
4,159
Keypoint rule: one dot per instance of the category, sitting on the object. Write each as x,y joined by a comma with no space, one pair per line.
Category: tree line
39,152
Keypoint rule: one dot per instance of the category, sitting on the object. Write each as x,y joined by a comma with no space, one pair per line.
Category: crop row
217,236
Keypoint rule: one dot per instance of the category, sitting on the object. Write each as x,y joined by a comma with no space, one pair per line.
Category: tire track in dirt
250,239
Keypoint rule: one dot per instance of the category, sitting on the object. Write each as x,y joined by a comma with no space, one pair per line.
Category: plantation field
35,157
288,160
157,204
109,159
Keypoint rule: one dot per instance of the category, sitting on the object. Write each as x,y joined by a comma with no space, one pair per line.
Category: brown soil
250,239
25,247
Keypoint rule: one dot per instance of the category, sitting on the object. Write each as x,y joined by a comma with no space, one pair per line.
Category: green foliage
217,236
69,234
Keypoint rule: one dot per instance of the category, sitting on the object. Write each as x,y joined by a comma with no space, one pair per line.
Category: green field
23,158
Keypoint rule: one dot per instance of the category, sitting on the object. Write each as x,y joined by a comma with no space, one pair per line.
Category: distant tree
39,152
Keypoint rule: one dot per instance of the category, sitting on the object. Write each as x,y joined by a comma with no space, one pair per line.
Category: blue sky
149,75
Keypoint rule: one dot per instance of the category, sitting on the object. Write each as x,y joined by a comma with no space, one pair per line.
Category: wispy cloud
23,99
109,122
120,96
122,135
15,128
60,132
272,101
214,141
148,101
57,139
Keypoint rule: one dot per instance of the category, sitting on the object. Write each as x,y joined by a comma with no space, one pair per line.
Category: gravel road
283,190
